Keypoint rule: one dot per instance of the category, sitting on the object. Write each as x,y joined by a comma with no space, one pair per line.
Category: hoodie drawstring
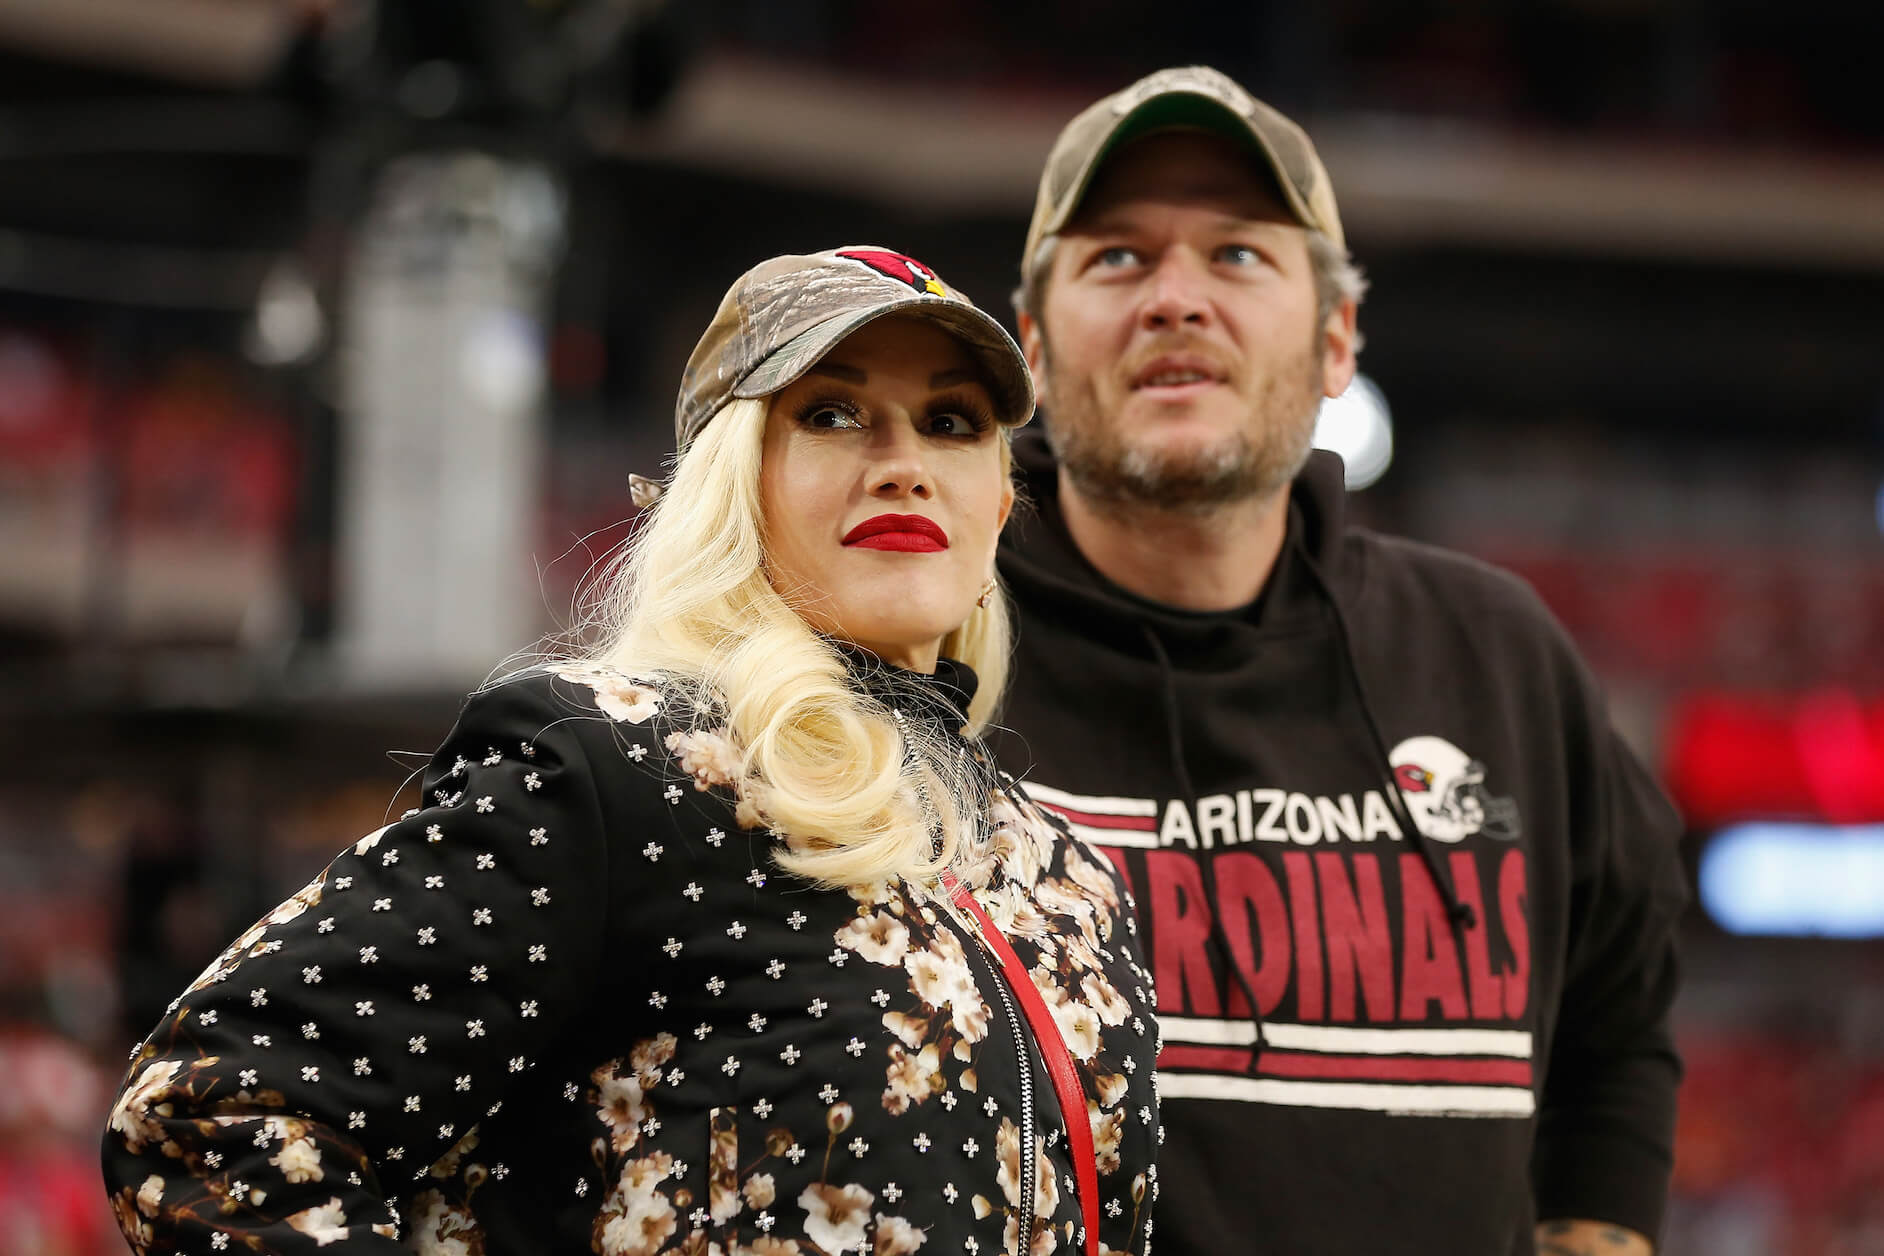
1459,913
1174,739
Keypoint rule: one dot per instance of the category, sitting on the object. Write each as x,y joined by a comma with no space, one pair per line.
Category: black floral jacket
573,1005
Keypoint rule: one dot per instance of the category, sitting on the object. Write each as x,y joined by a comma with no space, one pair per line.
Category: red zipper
1066,1087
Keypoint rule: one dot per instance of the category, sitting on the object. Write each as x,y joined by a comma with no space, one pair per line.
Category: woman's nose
898,467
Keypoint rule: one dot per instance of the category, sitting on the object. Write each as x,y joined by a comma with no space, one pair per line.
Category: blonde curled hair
858,797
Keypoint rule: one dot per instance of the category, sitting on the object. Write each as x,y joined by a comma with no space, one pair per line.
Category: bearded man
1411,902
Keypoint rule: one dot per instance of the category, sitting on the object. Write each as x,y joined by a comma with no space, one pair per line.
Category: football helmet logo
1445,792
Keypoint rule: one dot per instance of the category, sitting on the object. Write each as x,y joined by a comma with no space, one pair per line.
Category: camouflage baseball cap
785,314
1195,97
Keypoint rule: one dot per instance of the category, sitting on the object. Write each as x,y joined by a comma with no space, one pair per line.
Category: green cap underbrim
1183,111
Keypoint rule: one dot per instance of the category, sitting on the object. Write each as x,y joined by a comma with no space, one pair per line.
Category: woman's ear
1007,505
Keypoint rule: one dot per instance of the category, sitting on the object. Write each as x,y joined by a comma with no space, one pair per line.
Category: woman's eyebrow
837,370
953,376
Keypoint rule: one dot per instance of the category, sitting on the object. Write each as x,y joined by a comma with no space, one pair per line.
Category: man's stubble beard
1119,477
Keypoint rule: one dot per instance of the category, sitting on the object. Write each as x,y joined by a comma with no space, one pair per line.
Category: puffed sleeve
358,1031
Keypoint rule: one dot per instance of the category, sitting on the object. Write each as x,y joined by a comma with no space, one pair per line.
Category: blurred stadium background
330,331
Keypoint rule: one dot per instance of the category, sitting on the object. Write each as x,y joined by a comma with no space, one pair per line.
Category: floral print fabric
572,1005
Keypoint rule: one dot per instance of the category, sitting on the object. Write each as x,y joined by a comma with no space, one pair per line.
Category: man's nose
1177,297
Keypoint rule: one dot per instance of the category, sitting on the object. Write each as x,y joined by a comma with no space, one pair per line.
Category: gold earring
987,591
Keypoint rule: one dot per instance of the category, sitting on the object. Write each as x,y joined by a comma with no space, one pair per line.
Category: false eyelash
967,405
829,401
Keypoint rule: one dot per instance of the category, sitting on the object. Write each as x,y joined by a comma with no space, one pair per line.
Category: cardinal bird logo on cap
904,269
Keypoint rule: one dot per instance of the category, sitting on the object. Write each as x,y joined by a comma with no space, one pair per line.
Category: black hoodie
1461,992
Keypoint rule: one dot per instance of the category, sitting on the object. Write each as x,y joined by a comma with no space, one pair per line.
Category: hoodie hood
1038,554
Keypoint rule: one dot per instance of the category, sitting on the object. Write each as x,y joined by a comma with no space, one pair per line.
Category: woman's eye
830,417
952,425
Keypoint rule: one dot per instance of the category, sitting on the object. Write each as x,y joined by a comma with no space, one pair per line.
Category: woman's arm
360,1030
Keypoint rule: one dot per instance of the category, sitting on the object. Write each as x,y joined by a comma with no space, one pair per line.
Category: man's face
1178,352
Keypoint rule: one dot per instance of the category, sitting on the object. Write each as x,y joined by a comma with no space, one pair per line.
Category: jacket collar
941,697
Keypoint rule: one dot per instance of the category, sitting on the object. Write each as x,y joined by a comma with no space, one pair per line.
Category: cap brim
1182,110
990,343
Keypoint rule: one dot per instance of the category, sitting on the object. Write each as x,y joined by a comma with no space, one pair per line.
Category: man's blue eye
1239,254
1118,256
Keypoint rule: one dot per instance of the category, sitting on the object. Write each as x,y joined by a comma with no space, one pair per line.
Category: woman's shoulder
579,687
658,727
579,696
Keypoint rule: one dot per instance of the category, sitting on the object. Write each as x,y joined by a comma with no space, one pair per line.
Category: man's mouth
1171,379
1176,372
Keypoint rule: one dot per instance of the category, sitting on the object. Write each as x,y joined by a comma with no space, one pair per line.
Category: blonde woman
725,937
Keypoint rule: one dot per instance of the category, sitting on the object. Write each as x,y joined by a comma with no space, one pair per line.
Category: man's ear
1034,345
1340,340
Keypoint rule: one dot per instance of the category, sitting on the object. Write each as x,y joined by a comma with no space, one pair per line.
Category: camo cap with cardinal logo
1188,97
783,315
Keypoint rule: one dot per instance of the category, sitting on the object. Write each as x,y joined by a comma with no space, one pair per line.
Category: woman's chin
899,645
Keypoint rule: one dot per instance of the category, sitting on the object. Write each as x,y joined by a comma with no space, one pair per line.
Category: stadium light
288,327
1358,426
1790,879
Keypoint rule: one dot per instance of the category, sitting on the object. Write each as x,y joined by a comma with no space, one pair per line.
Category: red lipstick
909,534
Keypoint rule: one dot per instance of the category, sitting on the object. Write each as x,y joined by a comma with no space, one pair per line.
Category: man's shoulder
1406,571
1428,598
